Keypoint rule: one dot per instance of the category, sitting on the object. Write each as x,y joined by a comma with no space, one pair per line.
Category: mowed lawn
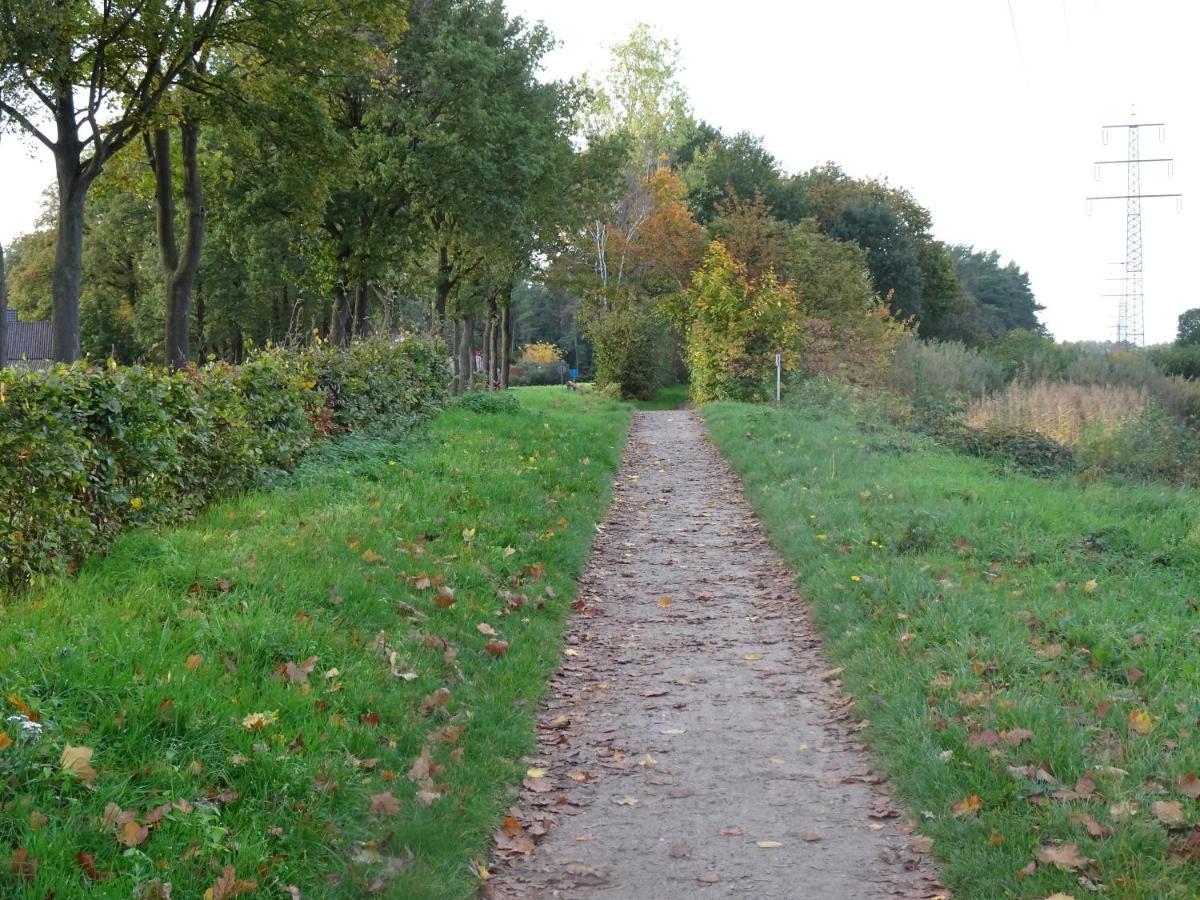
325,687
1026,652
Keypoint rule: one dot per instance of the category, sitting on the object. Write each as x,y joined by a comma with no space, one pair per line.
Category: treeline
232,174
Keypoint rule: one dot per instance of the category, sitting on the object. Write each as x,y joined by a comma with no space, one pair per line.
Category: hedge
86,450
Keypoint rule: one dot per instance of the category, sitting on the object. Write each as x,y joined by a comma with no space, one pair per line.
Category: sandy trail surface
695,743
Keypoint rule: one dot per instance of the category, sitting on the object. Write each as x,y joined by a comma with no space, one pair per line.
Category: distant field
1024,650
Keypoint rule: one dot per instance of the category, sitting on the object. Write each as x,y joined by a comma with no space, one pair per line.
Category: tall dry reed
1058,409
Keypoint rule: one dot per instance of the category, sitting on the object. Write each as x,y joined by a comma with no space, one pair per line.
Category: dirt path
690,744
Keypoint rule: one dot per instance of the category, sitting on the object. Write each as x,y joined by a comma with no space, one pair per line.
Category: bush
501,402
628,341
1154,445
1178,359
946,371
90,450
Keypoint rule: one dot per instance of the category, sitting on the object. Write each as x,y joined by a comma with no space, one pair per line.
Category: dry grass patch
1059,410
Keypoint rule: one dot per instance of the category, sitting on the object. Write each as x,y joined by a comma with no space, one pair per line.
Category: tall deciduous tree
96,70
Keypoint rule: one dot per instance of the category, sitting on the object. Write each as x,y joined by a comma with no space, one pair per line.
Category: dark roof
28,340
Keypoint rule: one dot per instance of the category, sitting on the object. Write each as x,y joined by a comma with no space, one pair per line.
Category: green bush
1178,359
86,451
628,340
500,402
1155,445
943,370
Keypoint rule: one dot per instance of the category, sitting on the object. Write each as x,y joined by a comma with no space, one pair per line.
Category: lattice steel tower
1130,307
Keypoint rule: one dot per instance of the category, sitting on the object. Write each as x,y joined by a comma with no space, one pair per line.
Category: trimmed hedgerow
86,451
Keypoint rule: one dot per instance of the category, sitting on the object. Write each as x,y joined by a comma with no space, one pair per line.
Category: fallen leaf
752,657
1126,809
259,721
1094,828
968,806
468,534
1090,585
297,673
1140,721
811,837
535,773
921,844
485,628
1061,856
5,740
710,878
132,834
1169,812
1016,736
444,598
88,863
1189,785
371,556
731,831
768,845
983,739
229,885
385,804
78,761
193,662
22,865
37,820
664,602
626,801
496,648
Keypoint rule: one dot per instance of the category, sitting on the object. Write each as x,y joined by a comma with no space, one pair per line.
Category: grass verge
1024,650
326,686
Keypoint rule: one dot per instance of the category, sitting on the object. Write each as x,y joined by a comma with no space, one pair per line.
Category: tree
1003,294
1189,327
892,254
738,166
98,70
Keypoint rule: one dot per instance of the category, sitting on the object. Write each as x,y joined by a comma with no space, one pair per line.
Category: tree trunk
179,267
505,337
466,355
444,285
67,277
489,342
362,297
339,325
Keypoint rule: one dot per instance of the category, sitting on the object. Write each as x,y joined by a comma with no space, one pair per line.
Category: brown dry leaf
37,820
436,700
5,740
88,863
444,598
78,761
496,648
1169,812
1062,856
626,801
967,807
995,839
1126,809
1189,785
193,662
1086,785
22,865
132,834
229,885
385,804
709,878
731,831
1015,737
664,602
1094,828
297,673
983,739
371,556
811,837
259,721
921,844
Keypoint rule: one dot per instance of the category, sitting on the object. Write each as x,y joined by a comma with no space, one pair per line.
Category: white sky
993,131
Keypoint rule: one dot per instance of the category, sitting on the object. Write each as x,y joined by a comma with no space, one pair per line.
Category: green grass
672,396
158,652
963,598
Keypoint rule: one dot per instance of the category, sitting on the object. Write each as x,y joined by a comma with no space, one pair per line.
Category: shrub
1178,359
1153,445
541,353
89,450
1030,356
735,325
628,341
500,402
949,370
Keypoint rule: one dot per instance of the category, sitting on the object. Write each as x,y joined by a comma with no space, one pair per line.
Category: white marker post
778,372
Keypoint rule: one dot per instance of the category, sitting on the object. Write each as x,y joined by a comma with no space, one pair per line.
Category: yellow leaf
5,740
752,656
468,534
78,761
968,806
259,721
536,773
1091,585
768,845
664,602
1140,721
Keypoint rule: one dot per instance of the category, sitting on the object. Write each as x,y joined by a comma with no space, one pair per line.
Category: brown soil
694,743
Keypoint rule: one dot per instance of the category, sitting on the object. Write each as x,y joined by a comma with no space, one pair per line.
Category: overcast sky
989,111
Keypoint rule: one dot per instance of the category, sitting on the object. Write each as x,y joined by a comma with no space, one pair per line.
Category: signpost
778,372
